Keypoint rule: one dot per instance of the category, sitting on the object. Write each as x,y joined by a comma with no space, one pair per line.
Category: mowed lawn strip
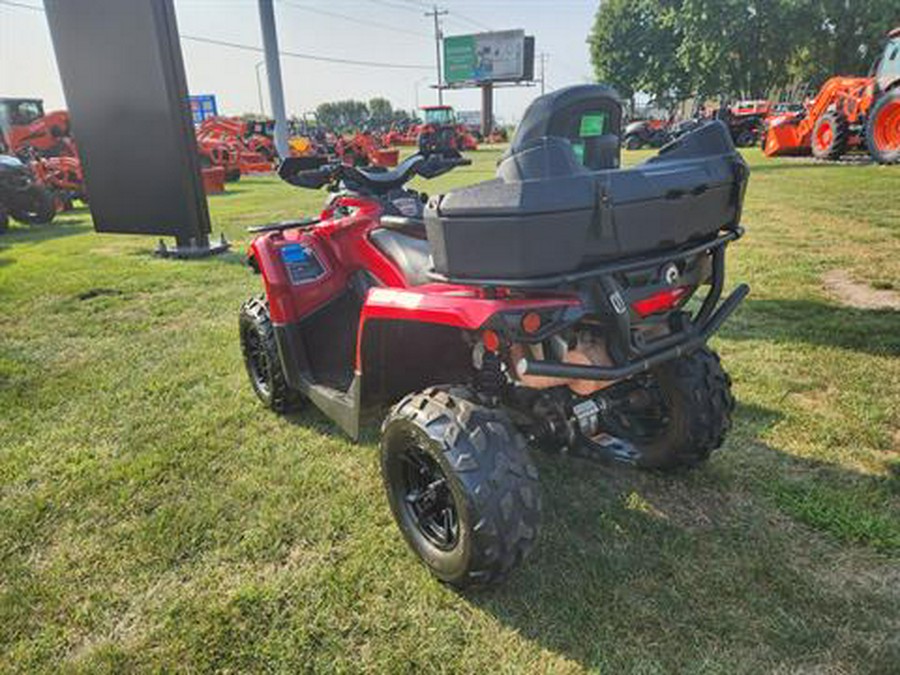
153,517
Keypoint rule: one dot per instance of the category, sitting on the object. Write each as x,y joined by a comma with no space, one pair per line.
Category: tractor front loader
849,113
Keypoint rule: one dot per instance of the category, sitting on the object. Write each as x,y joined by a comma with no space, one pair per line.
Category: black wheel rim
426,496
257,360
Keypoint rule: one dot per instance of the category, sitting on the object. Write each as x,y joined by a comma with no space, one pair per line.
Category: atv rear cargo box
547,213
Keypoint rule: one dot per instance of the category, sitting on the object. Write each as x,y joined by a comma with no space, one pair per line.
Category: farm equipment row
848,113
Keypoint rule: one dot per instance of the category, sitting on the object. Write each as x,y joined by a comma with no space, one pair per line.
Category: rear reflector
659,302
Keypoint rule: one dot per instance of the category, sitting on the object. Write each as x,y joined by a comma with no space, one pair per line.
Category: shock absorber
490,379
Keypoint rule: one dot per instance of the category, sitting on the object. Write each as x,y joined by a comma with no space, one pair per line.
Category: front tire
678,413
461,486
261,359
34,207
830,137
883,129
633,142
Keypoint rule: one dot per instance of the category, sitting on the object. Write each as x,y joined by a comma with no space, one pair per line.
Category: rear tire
883,129
261,359
35,207
830,136
695,417
461,485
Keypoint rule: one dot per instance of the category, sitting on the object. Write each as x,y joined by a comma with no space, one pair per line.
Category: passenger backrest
588,116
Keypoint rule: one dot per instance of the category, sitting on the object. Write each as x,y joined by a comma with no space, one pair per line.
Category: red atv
551,307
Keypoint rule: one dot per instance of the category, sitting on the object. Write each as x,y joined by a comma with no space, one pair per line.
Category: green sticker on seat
592,124
578,147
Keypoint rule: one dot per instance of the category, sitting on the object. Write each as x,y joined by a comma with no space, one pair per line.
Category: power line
456,16
394,5
353,19
11,3
251,48
300,55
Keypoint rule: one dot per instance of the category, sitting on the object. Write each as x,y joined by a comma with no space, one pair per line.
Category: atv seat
381,180
411,254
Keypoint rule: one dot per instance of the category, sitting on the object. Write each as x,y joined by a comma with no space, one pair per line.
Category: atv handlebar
314,172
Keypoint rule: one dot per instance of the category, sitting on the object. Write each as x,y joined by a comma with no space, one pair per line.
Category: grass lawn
153,517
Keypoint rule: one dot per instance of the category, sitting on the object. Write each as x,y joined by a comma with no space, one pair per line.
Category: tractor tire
4,219
461,485
261,358
830,136
689,418
633,142
232,175
883,129
746,139
35,207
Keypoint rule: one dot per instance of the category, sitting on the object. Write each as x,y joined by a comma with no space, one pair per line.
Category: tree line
351,114
678,49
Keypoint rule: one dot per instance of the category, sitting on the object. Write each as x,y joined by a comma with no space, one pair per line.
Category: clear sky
385,31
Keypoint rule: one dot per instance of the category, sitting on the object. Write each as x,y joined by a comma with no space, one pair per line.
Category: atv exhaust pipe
566,371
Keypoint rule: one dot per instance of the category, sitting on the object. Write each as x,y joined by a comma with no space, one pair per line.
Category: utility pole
543,56
273,70
262,108
437,13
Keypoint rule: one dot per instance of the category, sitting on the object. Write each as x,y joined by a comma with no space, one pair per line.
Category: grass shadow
65,227
682,566
870,331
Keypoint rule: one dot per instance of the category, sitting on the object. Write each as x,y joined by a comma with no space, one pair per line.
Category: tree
633,47
738,47
846,35
380,110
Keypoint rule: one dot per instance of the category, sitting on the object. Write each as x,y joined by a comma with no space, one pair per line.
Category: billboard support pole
273,72
487,108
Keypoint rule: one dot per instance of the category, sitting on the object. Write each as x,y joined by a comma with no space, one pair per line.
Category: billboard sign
486,57
203,106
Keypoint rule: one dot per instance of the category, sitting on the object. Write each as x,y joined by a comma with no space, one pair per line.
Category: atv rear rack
688,340
612,300
629,265
640,357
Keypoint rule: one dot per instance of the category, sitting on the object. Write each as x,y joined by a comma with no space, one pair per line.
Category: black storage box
547,213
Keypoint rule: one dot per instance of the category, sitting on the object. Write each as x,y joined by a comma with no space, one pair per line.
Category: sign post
123,76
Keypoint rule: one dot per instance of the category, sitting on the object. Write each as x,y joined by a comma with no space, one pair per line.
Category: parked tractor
649,133
849,113
441,133
250,151
45,143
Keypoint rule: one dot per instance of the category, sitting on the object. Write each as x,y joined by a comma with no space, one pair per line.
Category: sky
383,31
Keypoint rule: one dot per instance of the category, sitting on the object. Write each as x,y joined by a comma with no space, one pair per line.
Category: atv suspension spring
490,380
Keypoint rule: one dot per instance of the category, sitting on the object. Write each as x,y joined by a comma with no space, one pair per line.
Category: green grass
154,518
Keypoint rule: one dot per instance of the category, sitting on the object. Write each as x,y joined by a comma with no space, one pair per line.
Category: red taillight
491,340
660,302
531,322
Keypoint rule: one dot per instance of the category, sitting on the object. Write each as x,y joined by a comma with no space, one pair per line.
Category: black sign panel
124,81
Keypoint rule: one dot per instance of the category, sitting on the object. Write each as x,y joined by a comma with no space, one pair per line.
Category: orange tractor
45,143
849,113
234,144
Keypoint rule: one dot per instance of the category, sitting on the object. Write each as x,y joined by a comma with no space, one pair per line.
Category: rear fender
464,309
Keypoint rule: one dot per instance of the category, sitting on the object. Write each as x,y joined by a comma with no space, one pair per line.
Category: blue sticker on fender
294,253
301,264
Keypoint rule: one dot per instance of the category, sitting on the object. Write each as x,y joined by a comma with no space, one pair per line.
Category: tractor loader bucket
785,139
385,156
